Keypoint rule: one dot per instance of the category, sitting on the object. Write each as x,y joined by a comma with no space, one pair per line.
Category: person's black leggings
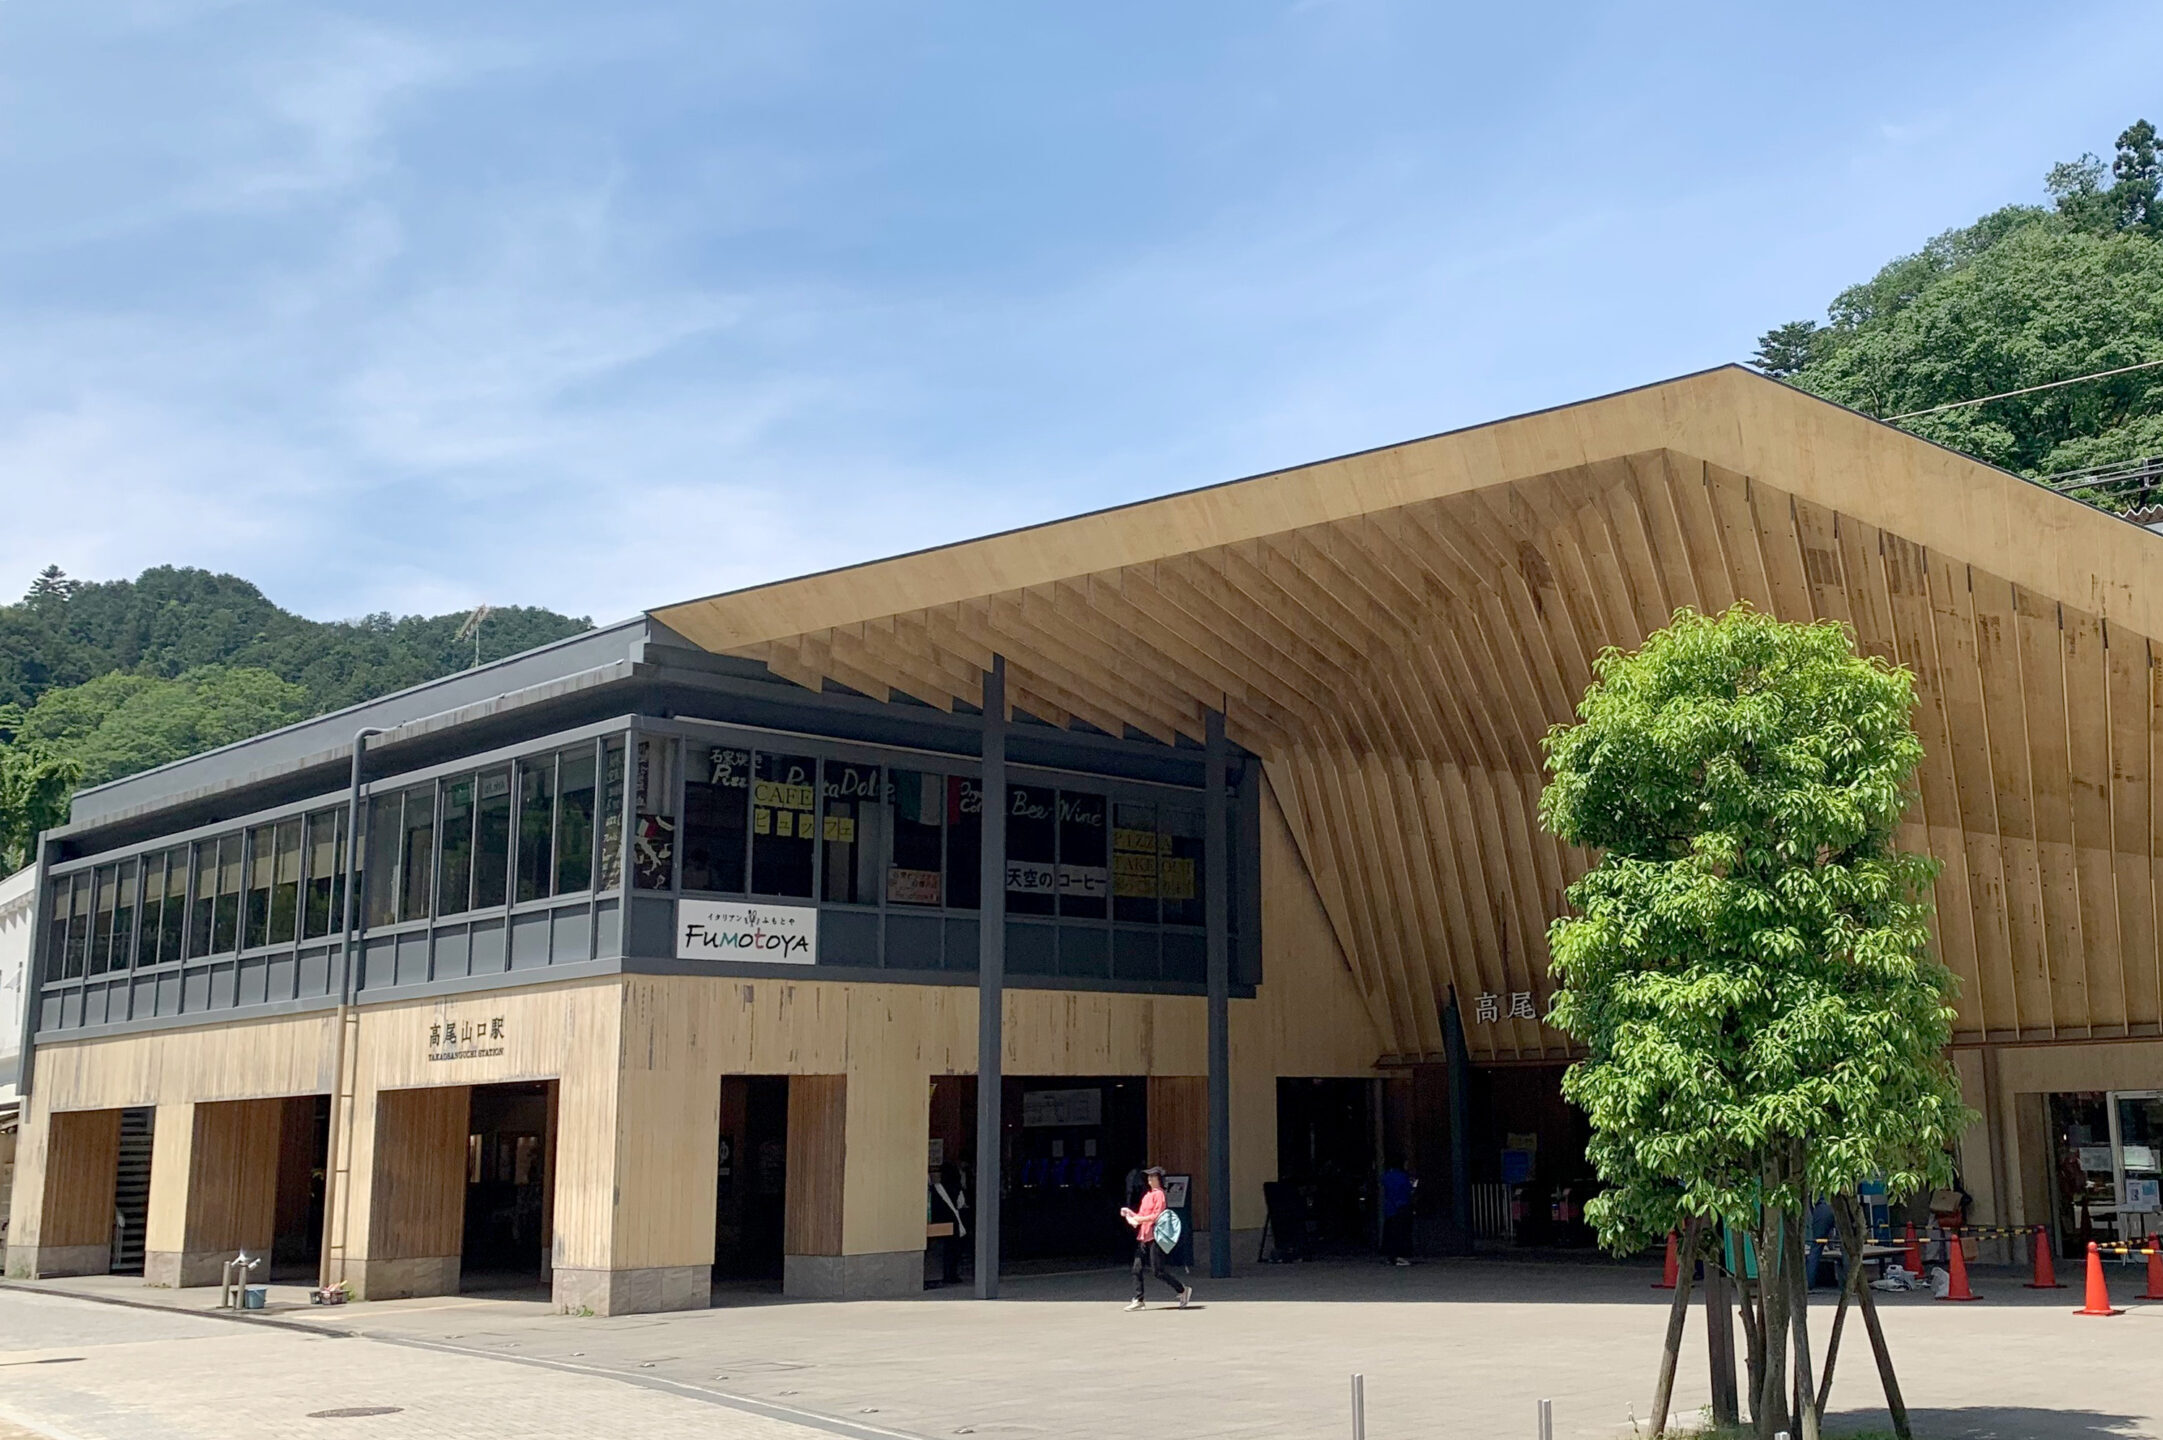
1147,1257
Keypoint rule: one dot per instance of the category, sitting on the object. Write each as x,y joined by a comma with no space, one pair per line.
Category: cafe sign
736,930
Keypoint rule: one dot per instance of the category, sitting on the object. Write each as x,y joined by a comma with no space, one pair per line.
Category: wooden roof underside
1392,632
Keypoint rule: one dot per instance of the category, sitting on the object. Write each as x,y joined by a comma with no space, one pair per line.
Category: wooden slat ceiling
1393,632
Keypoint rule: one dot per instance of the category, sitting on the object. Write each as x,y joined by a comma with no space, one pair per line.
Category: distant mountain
122,675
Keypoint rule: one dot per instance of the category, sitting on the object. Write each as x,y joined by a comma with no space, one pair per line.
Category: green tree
36,782
1748,966
2025,296
125,722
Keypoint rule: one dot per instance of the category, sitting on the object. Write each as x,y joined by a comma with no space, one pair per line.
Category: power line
2028,390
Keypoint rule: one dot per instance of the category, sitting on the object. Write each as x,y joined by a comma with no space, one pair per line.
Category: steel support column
1216,919
991,982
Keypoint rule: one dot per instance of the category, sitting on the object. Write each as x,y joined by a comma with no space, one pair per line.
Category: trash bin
252,1297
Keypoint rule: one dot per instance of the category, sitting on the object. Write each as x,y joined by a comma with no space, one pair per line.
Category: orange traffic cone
2046,1273
1956,1261
2098,1292
2155,1276
1914,1258
1668,1271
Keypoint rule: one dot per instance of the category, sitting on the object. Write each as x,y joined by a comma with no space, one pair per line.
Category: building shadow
2002,1422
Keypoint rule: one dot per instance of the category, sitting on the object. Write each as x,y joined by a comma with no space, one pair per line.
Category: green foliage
103,679
169,620
123,721
2025,296
1748,964
36,782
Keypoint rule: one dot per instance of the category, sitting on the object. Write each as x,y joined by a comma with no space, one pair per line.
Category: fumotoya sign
734,930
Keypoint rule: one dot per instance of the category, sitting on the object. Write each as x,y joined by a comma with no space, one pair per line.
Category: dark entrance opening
1072,1150
303,1152
510,1185
751,1181
131,1189
1328,1132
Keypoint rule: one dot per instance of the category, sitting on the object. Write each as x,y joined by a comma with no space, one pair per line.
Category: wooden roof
1392,632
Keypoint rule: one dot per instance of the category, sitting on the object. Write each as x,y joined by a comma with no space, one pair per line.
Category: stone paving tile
77,1370
1449,1350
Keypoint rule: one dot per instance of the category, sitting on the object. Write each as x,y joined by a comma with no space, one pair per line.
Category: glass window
101,933
78,925
784,798
536,823
285,885
716,820
56,934
1134,863
262,853
917,803
492,839
454,862
325,905
1179,866
124,915
850,831
173,915
1032,849
225,918
417,853
654,860
575,795
612,816
203,861
379,863
148,919
964,842
1084,878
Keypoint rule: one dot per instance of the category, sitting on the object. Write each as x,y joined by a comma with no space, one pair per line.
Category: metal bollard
1547,1420
234,1279
1359,1407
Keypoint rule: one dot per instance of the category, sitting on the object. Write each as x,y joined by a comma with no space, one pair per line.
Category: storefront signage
1084,880
733,930
1027,877
1044,1108
2141,1196
466,1038
912,887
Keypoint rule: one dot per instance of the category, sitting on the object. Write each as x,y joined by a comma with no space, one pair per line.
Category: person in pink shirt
1147,1255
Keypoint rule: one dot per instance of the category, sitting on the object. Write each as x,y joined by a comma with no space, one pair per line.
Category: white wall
16,893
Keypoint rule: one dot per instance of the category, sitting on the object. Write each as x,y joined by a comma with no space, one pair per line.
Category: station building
674,953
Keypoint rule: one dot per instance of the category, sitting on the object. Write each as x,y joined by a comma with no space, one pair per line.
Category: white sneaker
1185,1295
1135,1305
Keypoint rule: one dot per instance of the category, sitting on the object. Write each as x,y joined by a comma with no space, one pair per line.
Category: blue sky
409,306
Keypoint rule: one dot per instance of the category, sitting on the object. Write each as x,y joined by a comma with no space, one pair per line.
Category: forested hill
2026,296
122,675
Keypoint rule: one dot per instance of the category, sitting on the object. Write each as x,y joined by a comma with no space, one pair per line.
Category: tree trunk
1799,1289
1851,1236
1771,1409
1679,1311
1753,1322
1720,1342
1851,1280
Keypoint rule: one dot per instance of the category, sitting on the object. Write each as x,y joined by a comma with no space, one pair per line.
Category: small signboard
736,930
1045,1109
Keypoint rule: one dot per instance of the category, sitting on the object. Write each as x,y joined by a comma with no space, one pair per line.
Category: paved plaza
1448,1349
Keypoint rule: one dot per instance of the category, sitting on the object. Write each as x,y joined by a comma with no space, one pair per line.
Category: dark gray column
1216,920
991,982
1460,1072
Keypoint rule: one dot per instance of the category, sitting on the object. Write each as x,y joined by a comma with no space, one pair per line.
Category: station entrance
510,1185
1072,1151
751,1181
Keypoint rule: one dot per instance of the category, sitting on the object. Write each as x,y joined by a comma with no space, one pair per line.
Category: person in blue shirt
1397,1190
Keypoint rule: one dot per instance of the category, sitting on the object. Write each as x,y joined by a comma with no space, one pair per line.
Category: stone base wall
891,1275
180,1269
45,1262
403,1279
632,1292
